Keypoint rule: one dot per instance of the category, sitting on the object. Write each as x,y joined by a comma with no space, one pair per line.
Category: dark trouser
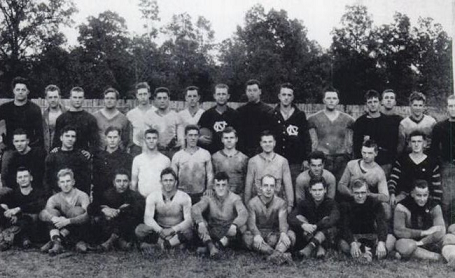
72,233
302,238
336,164
27,224
123,225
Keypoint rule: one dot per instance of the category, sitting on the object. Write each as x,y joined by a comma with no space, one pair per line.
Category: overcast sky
319,16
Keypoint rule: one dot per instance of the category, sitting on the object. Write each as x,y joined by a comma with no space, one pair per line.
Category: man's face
229,140
368,154
143,96
420,195
267,143
286,96
53,98
389,101
76,99
360,194
110,100
221,188
418,144
20,142
221,96
268,185
20,92
373,105
192,98
121,183
68,139
192,136
168,182
331,100
113,139
451,108
151,141
316,167
417,108
66,183
24,178
162,100
253,93
318,191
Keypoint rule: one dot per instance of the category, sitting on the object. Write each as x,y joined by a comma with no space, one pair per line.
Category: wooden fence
92,105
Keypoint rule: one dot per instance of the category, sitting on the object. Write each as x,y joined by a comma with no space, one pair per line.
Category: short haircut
65,172
221,86
192,88
386,91
229,129
162,90
20,131
221,176
67,128
120,171
370,144
317,180
316,155
77,89
287,85
151,131
22,169
418,133
19,80
192,127
142,85
253,82
52,88
167,171
268,176
329,89
266,133
113,128
419,183
111,90
358,183
417,96
372,94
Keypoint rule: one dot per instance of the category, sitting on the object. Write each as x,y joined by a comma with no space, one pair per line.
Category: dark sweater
380,130
28,117
32,203
104,166
216,123
73,160
33,160
254,118
366,218
443,141
87,137
324,216
292,137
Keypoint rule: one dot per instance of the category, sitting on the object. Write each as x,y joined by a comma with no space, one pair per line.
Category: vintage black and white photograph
241,138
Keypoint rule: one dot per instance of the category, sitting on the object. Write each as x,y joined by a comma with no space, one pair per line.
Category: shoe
124,245
276,258
307,251
106,246
367,255
8,237
287,258
81,247
201,250
46,247
320,253
215,253
26,243
146,248
56,249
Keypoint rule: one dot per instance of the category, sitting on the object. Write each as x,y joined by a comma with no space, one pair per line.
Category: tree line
268,46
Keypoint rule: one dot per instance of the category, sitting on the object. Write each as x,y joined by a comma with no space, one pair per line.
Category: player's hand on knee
208,192
232,230
86,154
285,240
355,250
257,241
381,250
202,229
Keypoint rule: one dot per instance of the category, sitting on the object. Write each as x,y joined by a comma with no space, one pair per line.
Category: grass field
18,263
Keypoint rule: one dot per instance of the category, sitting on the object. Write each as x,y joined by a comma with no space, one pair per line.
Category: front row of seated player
221,219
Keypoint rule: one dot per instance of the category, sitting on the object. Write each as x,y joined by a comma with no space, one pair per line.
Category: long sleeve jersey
405,171
267,217
324,216
366,218
220,210
292,137
32,203
408,125
63,203
32,160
